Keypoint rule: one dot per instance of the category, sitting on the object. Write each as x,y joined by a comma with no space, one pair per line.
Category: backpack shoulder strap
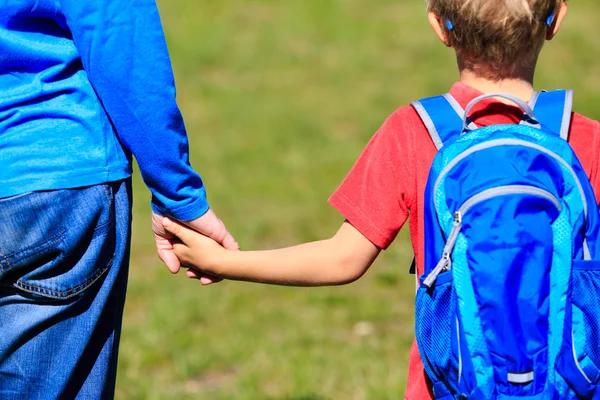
443,117
553,111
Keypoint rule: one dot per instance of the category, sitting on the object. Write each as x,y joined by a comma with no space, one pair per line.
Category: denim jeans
64,258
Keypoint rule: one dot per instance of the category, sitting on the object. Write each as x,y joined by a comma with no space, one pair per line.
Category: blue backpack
509,304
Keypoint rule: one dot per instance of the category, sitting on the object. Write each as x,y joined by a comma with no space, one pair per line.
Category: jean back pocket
56,244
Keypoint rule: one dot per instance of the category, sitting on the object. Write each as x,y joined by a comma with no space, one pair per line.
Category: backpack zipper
513,142
459,353
445,263
576,360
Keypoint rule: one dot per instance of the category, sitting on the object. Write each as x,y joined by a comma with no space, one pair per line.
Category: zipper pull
444,265
457,218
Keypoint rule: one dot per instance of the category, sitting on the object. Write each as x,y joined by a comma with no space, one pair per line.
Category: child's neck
520,87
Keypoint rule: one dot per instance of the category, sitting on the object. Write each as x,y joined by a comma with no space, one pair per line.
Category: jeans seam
39,246
102,228
5,259
65,294
109,194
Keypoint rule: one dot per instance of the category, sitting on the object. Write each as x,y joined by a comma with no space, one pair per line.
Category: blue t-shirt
84,84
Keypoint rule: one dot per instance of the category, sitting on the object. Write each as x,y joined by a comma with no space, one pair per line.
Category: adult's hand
209,225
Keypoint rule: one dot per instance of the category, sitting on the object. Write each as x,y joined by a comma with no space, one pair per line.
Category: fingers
193,274
185,257
164,248
157,227
176,229
211,226
209,279
170,259
204,279
230,243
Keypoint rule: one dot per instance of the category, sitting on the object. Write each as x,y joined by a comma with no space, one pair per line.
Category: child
497,45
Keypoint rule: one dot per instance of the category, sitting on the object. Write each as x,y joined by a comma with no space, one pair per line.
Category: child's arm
342,259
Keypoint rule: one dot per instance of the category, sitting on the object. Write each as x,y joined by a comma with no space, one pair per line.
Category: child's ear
437,23
558,19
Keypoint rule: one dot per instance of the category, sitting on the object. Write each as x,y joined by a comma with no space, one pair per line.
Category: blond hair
496,38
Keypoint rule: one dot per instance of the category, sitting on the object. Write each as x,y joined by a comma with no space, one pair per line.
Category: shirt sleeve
379,190
596,164
124,52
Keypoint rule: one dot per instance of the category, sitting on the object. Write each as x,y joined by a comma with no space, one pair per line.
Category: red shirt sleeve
585,141
595,175
378,191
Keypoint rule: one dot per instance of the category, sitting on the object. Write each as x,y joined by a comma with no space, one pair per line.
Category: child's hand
193,249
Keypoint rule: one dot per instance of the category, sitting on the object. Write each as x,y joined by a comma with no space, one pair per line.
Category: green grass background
279,99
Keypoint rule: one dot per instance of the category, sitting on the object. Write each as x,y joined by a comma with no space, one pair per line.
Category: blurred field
279,99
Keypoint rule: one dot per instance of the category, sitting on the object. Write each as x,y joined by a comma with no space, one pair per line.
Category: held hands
195,250
208,224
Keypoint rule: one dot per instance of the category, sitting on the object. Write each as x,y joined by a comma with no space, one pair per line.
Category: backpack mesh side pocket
586,299
435,326
578,360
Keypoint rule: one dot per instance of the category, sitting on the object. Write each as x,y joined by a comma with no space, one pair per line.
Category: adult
84,86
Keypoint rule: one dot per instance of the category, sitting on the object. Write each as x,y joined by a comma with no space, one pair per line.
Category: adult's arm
123,51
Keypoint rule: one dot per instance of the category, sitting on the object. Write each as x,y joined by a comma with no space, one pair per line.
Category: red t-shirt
388,182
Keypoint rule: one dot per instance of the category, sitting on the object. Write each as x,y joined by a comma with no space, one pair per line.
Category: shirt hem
43,182
352,213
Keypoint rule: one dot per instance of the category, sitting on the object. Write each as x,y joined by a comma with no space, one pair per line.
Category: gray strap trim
586,250
459,353
566,121
459,110
532,103
534,99
577,361
435,136
526,108
520,378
